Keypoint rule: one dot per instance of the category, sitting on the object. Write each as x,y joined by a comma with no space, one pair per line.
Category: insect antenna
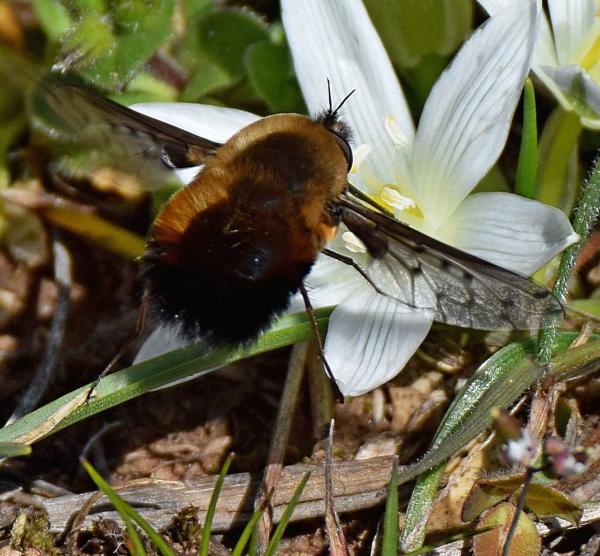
317,335
337,109
333,112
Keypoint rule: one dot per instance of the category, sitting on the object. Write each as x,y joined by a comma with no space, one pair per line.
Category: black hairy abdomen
233,275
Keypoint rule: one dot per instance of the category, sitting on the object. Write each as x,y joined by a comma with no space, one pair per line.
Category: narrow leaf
128,514
119,505
419,508
14,449
190,361
528,154
557,181
247,533
285,518
212,505
498,382
390,522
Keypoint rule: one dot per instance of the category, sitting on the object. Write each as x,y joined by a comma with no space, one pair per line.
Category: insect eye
346,149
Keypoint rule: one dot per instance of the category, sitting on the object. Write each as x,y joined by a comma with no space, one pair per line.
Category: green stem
585,216
559,138
528,152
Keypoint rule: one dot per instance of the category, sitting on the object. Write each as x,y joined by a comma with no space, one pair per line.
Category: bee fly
227,252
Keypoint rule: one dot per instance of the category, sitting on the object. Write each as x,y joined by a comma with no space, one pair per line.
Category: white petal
571,21
162,340
494,6
335,39
544,53
467,116
581,90
370,338
213,122
545,49
510,231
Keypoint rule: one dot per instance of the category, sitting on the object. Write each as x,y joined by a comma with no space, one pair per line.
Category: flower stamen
393,130
395,199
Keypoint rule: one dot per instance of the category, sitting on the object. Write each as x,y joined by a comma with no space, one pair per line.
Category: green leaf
238,550
212,505
129,515
498,382
53,17
14,449
192,360
558,171
206,79
589,307
528,155
89,6
119,504
419,507
285,518
545,501
389,545
270,71
494,180
225,35
576,362
108,48
486,493
144,87
412,29
525,541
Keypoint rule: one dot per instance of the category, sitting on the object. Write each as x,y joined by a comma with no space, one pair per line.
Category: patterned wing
105,133
458,288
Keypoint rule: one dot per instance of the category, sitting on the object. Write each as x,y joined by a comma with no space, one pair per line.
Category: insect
226,253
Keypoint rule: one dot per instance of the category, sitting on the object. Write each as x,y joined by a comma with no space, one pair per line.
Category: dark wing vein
79,110
459,288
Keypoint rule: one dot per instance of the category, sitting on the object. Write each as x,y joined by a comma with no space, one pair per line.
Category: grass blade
14,449
528,152
419,507
129,383
128,514
285,518
498,382
390,522
119,504
247,533
212,505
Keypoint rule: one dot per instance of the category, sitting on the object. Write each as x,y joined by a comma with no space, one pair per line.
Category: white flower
567,54
425,176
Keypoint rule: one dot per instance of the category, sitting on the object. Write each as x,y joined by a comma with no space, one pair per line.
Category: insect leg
351,262
320,352
139,327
